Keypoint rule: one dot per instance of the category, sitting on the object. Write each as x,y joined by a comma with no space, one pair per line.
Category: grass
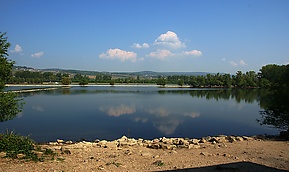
21,147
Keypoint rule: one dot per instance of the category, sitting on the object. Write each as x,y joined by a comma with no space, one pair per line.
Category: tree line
268,76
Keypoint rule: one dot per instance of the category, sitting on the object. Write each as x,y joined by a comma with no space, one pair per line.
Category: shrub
14,144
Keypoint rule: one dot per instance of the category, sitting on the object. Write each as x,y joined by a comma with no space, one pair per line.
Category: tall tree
5,64
10,104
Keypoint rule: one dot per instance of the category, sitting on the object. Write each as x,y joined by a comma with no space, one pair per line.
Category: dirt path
245,155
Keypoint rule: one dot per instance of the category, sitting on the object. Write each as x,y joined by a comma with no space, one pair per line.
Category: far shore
98,85
116,85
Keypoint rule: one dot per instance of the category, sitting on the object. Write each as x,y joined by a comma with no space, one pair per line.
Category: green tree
65,80
161,81
84,80
10,104
181,82
5,64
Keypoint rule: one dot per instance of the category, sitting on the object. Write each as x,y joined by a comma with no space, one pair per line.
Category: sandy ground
251,155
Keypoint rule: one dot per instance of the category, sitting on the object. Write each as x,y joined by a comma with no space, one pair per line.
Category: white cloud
233,63
17,49
119,54
193,52
242,63
161,54
223,59
144,45
37,55
169,39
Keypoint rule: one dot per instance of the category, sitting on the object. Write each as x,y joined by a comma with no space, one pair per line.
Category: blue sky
158,35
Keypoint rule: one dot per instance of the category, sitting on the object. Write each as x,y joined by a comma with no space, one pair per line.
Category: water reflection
276,109
118,110
109,112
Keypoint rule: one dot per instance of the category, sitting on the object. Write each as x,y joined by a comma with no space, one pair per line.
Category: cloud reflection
160,112
167,121
138,119
38,108
168,126
118,110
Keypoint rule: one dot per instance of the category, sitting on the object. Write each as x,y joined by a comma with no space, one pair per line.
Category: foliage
66,80
161,81
275,104
84,80
5,64
10,106
14,144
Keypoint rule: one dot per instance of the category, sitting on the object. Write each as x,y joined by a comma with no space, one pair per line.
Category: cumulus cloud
119,55
17,49
160,54
137,45
193,53
38,54
241,63
233,63
169,39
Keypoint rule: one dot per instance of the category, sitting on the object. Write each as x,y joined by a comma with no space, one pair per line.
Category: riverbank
222,153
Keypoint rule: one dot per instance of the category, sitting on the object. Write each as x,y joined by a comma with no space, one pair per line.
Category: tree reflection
10,106
276,110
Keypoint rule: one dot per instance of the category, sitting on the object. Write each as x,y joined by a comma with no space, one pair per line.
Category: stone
156,156
205,154
214,140
2,154
169,147
102,143
112,144
247,138
19,156
231,139
203,141
195,141
59,141
239,138
69,142
193,146
154,146
158,163
123,138
146,154
53,143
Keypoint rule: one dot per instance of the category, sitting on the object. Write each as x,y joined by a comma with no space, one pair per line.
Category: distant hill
152,73
84,72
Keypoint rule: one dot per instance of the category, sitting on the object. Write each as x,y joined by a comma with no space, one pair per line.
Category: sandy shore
238,155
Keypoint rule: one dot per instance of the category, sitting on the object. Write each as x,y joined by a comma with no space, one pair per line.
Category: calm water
141,112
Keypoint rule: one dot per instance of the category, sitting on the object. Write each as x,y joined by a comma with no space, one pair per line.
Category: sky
147,35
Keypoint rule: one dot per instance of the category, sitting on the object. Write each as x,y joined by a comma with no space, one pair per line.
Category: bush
14,144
